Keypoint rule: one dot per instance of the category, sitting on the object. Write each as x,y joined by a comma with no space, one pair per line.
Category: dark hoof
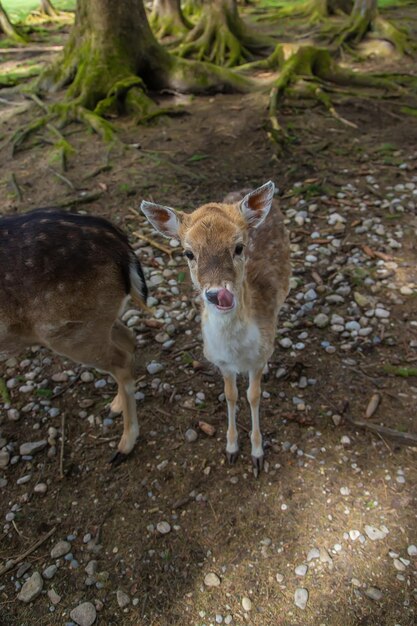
258,464
232,457
117,458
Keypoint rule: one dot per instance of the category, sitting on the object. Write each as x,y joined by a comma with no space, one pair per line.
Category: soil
246,530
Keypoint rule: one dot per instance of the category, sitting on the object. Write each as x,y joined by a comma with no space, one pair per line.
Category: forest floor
335,499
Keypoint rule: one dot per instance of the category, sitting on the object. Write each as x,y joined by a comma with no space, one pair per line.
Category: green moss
403,372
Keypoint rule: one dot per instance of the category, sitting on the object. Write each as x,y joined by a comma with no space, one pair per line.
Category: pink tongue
224,298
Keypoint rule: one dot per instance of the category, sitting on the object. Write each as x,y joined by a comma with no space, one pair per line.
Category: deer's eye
189,255
239,249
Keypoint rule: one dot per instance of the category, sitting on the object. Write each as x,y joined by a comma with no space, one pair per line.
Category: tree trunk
317,10
364,19
112,56
167,19
47,8
7,27
222,37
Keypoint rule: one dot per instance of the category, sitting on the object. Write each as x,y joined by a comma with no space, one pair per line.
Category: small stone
163,528
381,313
246,603
84,614
279,578
321,320
373,593
399,565
301,570
301,598
314,553
154,368
325,557
23,568
40,488
375,533
24,479
353,326
190,435
49,572
354,534
87,377
4,458
122,599
211,580
91,568
412,550
345,491
59,549
30,448
310,295
31,589
54,597
285,342
345,440
361,300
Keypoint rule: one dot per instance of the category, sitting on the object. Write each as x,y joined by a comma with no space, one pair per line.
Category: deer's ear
255,206
166,221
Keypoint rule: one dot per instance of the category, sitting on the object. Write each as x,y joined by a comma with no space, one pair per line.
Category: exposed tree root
222,38
315,68
8,29
370,22
168,20
192,8
315,11
47,8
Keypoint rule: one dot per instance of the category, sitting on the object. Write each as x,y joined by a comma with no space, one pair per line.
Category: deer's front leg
254,396
230,391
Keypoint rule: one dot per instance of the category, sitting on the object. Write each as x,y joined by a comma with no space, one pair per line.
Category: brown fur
64,279
238,337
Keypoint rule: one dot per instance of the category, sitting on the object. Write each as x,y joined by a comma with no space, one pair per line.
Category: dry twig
20,558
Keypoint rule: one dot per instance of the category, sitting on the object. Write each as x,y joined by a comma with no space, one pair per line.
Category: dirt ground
323,476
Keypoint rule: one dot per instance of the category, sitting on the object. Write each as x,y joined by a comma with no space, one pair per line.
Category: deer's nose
212,295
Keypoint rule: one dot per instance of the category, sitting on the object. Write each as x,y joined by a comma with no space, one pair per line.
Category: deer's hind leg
96,346
125,339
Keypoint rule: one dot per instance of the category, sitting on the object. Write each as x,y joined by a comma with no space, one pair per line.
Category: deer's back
58,266
268,266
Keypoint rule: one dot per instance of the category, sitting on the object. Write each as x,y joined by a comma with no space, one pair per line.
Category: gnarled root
317,67
222,39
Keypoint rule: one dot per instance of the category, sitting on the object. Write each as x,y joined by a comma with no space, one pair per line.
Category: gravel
31,589
60,549
84,614
211,580
301,598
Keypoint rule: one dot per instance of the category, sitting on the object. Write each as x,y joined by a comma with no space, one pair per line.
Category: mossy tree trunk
318,10
7,27
221,36
48,8
365,19
168,19
112,56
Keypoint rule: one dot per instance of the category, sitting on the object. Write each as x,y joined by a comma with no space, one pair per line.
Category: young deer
239,260
64,281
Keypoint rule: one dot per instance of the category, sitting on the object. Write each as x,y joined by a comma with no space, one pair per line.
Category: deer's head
214,238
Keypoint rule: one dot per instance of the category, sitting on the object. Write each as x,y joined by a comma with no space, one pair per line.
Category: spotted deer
64,280
239,260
